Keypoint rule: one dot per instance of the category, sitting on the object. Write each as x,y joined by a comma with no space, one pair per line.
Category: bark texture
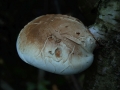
104,74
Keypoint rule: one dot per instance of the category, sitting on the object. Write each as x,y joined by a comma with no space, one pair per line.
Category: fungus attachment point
57,44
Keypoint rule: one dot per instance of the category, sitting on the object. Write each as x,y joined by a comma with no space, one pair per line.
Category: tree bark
104,74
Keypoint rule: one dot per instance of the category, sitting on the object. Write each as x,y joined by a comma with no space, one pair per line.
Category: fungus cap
56,43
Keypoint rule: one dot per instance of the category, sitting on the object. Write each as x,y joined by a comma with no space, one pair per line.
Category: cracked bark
104,74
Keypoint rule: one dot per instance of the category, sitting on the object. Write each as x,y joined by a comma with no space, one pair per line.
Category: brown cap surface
56,43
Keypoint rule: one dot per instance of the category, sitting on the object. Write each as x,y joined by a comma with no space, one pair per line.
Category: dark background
14,15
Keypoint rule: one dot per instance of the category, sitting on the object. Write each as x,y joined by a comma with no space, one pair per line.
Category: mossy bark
104,74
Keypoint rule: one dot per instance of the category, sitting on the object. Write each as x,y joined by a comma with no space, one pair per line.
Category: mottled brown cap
56,43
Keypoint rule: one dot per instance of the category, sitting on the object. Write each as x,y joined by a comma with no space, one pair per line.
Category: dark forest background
14,15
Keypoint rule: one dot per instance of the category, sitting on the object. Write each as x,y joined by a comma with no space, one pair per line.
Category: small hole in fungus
50,38
66,26
51,52
77,33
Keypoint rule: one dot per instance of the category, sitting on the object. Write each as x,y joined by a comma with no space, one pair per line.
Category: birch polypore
59,44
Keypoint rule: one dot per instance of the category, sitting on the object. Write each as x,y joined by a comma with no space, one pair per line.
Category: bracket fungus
56,43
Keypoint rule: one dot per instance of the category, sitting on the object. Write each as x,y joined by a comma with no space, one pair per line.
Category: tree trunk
104,74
